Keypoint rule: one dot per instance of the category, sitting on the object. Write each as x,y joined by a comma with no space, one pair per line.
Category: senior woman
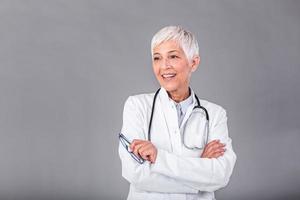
176,144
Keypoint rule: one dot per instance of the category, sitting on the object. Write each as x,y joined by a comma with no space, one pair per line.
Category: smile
168,76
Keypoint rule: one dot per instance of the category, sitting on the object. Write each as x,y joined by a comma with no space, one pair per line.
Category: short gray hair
185,39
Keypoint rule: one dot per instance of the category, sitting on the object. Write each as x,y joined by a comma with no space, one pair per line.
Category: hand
213,149
145,149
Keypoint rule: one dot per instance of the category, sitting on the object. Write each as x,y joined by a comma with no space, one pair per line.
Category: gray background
66,68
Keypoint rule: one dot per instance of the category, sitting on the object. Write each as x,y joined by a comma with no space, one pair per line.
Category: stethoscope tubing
195,107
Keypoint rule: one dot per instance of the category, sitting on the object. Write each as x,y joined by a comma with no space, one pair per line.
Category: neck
179,96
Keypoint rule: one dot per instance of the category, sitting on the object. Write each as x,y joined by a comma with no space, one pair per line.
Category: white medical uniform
178,173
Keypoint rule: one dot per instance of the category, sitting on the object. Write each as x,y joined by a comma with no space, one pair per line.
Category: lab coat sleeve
140,175
200,173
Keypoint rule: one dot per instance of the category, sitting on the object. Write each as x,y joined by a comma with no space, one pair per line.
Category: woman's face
172,68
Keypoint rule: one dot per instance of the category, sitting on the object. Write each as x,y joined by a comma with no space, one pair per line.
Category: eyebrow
168,52
172,51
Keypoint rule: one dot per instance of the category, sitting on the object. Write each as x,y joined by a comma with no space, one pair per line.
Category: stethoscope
195,107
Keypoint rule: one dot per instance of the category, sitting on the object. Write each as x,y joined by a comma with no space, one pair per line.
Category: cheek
183,71
184,74
155,69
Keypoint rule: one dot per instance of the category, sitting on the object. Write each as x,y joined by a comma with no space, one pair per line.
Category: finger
204,155
211,153
147,151
145,147
137,147
147,154
151,153
145,157
212,142
209,148
144,151
221,150
217,152
215,147
136,142
153,157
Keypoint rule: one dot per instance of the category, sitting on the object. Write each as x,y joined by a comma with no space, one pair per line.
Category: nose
166,63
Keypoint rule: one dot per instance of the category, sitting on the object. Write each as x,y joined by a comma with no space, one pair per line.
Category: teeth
168,75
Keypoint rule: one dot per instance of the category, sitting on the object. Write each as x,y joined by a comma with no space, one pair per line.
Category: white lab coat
178,173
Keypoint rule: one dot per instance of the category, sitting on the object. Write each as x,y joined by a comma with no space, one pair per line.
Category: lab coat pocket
195,131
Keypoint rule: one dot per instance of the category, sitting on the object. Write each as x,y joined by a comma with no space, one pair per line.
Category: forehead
167,46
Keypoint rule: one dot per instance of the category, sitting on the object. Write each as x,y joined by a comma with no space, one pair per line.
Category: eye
173,56
156,58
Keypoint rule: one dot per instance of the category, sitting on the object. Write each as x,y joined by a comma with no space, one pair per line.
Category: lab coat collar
165,97
170,113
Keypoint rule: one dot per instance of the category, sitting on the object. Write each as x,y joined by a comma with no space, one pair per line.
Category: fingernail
130,149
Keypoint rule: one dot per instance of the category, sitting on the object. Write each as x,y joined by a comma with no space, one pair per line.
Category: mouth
168,76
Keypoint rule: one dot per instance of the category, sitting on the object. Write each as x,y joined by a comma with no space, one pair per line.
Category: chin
170,88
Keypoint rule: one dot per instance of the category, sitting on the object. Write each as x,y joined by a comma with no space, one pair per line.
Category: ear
195,62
